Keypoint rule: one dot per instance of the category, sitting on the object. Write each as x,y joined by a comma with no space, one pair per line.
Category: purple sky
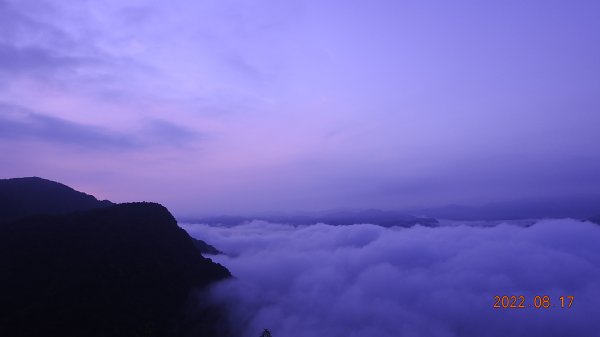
260,105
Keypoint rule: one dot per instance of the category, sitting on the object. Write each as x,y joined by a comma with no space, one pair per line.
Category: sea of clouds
369,281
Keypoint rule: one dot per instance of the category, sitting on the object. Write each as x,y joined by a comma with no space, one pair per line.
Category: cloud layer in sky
304,105
365,280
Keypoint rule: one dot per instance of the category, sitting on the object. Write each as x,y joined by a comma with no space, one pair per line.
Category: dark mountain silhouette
122,270
339,218
20,197
595,219
205,248
266,333
578,207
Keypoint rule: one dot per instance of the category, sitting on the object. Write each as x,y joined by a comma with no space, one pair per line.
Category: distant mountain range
577,207
71,265
337,218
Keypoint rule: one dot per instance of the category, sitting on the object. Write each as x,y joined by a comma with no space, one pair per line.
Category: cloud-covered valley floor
365,280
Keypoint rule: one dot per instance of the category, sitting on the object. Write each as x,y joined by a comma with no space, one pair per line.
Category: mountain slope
20,197
205,248
121,270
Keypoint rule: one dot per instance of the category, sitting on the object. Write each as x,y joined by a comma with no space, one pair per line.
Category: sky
366,280
239,106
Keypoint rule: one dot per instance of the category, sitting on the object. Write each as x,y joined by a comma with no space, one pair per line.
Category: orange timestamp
538,302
